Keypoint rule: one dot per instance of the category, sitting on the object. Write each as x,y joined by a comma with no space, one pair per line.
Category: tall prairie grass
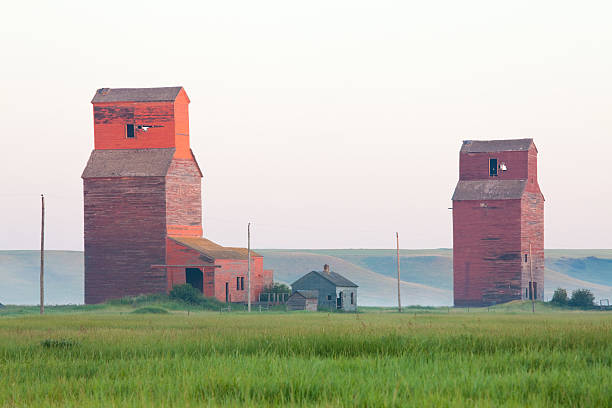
306,359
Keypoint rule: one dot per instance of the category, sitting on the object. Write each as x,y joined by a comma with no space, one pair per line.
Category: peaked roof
489,190
165,94
212,250
128,163
333,277
307,294
485,146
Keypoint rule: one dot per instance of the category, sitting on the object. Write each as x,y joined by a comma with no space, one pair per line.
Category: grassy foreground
304,359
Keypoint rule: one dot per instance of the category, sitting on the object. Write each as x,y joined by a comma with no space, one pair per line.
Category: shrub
191,296
560,297
186,293
582,298
150,309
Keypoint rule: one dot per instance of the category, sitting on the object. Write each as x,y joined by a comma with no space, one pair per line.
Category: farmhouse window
352,298
329,297
493,167
129,131
525,258
237,283
242,283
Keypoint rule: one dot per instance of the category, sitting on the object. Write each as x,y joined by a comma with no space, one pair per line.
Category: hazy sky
325,123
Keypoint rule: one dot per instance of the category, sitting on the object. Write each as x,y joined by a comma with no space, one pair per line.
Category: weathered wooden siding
487,251
184,198
125,233
110,120
475,166
296,302
532,232
345,292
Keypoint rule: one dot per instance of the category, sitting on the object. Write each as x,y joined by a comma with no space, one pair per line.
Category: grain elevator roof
128,163
486,146
165,94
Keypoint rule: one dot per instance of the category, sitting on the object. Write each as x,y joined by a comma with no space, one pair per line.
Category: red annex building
143,208
498,224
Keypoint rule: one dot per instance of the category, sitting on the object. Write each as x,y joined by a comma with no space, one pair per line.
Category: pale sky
328,124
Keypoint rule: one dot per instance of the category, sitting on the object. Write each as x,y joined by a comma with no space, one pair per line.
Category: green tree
582,298
267,293
560,297
277,288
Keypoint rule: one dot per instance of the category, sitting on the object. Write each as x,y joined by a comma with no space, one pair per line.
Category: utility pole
399,299
249,267
531,287
42,255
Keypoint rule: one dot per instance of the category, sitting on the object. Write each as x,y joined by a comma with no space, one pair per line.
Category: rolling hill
426,275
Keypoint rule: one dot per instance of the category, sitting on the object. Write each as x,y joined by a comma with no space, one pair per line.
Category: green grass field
106,356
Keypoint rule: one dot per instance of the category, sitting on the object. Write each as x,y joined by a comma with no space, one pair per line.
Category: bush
186,293
560,297
191,296
582,298
151,310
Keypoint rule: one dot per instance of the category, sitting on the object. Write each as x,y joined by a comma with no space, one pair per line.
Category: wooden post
42,255
531,282
399,299
249,265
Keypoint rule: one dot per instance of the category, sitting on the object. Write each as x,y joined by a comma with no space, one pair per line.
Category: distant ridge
426,274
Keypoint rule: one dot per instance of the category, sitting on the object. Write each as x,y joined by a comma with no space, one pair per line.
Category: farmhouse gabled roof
213,250
165,94
128,163
486,146
336,279
333,277
489,190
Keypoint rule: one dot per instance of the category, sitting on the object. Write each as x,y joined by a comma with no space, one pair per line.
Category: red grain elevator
143,208
498,224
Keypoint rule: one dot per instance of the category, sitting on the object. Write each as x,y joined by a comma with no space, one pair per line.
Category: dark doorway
493,167
226,292
129,131
195,278
533,285
339,301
